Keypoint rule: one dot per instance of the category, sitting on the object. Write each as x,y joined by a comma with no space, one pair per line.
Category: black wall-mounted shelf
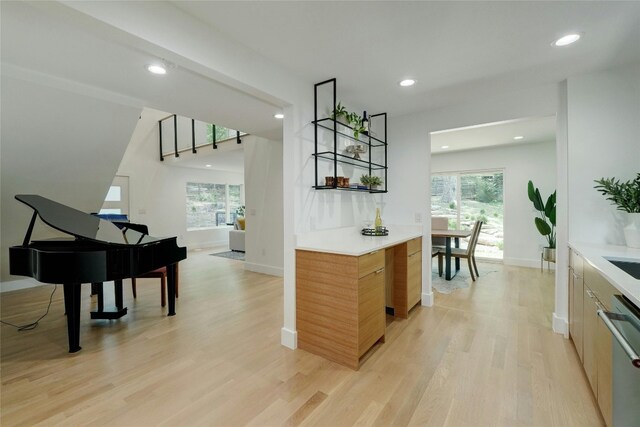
342,134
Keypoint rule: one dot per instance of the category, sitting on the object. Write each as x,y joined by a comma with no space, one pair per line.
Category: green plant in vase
340,112
626,196
546,219
355,121
371,181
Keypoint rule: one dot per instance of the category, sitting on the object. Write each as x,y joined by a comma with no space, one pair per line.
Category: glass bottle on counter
378,222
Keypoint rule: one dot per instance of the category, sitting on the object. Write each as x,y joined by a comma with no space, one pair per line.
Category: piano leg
96,288
72,307
171,289
117,289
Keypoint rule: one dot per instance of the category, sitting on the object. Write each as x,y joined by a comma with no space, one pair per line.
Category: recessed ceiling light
207,166
567,40
156,69
518,137
407,82
279,116
444,147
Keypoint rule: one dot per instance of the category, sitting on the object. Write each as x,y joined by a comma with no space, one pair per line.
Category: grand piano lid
81,224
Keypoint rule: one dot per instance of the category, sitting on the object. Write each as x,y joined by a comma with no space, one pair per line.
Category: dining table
448,235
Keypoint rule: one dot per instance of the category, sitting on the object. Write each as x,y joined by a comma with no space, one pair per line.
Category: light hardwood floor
481,356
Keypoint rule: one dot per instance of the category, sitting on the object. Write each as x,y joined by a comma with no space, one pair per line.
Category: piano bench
160,273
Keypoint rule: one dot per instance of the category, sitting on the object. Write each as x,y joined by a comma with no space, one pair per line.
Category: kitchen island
345,284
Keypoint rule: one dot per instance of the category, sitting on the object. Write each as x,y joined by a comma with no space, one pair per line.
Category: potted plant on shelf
626,196
371,181
355,121
546,220
340,114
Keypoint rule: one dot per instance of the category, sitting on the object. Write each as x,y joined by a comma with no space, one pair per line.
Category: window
222,133
117,199
235,201
470,196
211,205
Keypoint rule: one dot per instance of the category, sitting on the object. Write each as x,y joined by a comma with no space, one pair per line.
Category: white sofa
236,238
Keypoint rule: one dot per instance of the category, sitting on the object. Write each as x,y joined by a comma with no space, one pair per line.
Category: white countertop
349,241
594,254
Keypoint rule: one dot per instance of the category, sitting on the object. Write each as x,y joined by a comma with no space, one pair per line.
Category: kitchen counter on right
597,254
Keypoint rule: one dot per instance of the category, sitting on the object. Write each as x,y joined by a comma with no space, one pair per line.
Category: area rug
461,280
238,256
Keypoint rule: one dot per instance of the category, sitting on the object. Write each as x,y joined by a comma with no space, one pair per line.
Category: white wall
561,312
59,140
521,163
604,130
158,189
597,136
264,212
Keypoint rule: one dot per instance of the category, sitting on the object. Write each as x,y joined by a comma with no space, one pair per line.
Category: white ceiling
44,38
535,129
456,50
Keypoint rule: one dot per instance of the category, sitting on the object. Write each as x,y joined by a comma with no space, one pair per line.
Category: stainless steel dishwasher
624,323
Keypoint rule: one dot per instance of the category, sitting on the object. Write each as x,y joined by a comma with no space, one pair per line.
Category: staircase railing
194,146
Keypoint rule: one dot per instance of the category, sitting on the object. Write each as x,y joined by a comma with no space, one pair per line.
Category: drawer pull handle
374,252
413,254
380,271
590,293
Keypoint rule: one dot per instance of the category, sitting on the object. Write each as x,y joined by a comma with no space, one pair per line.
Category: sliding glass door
464,197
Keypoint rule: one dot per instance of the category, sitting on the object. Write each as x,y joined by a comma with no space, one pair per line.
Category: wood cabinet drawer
414,278
370,263
600,287
576,262
414,245
371,314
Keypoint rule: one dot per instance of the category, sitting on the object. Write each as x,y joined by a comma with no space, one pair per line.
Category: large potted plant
626,196
545,221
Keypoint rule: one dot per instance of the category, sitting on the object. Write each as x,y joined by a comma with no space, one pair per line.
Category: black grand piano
99,252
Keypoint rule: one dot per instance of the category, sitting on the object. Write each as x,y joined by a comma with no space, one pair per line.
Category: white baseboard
289,338
560,326
264,269
427,299
521,262
15,285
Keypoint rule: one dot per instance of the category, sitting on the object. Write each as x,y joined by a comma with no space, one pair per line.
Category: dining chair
439,223
435,251
468,252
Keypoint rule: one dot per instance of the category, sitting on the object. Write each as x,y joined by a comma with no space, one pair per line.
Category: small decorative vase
632,230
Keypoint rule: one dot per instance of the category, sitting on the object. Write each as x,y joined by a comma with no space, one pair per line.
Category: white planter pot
632,230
